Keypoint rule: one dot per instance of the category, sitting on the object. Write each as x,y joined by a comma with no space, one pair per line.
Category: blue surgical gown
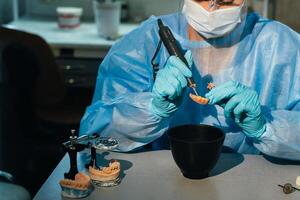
266,58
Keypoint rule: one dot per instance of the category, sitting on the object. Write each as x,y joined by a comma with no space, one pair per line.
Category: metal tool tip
195,91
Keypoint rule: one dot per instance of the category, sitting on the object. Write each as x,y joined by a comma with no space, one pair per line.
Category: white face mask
212,24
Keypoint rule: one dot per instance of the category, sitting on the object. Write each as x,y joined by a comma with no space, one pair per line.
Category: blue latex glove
242,104
169,84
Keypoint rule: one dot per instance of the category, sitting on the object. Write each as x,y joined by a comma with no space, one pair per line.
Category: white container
69,17
107,17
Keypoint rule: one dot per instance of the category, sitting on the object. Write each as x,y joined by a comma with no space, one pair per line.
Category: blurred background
282,10
49,58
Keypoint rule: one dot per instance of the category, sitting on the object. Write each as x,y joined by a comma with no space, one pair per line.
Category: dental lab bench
153,175
79,51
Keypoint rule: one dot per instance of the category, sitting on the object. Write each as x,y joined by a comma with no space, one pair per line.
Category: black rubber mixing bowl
196,148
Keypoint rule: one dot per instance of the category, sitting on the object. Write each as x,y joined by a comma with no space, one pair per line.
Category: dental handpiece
174,49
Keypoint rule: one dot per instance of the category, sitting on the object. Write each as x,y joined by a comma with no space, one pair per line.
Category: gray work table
153,175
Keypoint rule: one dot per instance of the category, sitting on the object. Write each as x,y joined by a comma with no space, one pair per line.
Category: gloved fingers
157,90
169,91
180,77
252,103
252,109
223,92
163,88
176,62
189,58
172,80
238,111
249,105
226,85
231,105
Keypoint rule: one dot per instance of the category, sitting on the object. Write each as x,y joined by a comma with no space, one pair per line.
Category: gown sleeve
282,136
122,97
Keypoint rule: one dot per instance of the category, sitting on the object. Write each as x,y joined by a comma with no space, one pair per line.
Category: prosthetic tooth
199,99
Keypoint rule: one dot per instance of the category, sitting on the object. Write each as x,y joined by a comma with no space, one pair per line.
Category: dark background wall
287,11
6,10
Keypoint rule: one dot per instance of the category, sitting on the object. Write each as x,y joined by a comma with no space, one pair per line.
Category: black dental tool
173,48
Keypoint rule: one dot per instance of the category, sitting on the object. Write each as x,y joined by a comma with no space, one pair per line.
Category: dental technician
253,61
